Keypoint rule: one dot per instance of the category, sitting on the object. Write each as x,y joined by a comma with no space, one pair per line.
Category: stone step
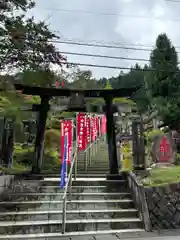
92,172
98,181
93,175
97,164
73,204
100,159
74,196
56,181
43,215
88,175
78,181
75,189
99,189
94,167
20,227
50,235
95,170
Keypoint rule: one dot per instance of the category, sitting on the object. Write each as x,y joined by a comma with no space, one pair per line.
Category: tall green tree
164,63
165,79
25,45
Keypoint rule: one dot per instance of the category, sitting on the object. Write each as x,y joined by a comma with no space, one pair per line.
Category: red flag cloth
81,131
88,129
70,142
93,129
61,140
97,126
103,124
67,128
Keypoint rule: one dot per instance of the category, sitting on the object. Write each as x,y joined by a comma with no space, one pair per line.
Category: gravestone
162,150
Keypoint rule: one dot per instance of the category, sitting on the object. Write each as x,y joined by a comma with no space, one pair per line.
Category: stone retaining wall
164,206
5,181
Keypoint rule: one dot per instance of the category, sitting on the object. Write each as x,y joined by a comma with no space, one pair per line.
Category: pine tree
165,79
164,63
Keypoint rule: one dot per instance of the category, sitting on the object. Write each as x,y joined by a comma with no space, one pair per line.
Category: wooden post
138,145
41,126
134,145
142,147
1,138
111,138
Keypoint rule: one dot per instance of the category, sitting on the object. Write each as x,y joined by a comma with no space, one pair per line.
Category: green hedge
24,157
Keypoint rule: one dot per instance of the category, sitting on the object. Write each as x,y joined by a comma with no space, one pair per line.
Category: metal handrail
64,198
69,179
69,184
94,146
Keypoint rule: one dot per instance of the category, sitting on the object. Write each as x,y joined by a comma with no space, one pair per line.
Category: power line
102,45
107,56
103,56
96,45
116,67
109,43
105,42
77,11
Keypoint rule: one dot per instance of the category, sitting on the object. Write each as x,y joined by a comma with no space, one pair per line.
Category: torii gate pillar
111,137
41,126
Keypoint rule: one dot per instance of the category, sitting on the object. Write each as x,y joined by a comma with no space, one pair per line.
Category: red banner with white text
66,127
81,131
88,129
93,129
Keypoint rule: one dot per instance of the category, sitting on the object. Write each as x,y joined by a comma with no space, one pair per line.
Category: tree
165,79
164,62
134,78
24,44
26,49
83,80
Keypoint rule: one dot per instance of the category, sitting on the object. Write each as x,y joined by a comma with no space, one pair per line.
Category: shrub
24,157
52,139
177,159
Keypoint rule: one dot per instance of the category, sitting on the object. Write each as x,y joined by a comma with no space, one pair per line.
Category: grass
15,168
162,176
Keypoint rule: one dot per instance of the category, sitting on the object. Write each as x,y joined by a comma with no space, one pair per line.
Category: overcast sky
123,27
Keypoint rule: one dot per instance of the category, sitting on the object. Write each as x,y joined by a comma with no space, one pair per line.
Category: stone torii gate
76,104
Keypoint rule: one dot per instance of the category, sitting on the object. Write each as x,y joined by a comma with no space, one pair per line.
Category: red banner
93,129
88,129
61,140
97,126
66,127
81,130
103,124
70,141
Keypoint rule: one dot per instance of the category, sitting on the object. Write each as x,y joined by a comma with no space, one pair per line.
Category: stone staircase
32,209
99,163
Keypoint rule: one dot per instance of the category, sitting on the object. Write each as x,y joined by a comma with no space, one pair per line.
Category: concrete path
166,235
